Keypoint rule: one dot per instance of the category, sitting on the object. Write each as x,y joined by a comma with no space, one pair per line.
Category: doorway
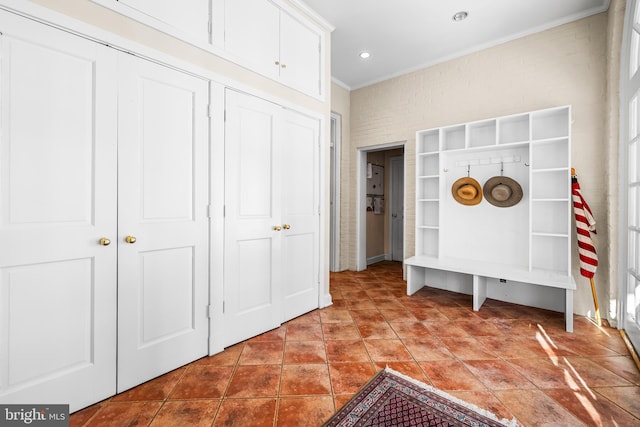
380,235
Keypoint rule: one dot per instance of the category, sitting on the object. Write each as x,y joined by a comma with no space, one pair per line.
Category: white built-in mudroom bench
493,210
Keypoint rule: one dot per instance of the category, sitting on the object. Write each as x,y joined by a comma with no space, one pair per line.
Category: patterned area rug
393,399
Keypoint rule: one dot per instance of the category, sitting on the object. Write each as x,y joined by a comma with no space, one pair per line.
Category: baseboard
326,300
631,348
378,258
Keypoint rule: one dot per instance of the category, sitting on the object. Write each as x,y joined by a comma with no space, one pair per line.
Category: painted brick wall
566,65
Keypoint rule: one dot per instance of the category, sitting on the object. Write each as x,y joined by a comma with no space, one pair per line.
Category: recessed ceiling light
460,16
365,55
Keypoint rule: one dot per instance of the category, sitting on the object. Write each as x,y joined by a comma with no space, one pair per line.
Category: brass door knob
105,242
277,227
286,226
130,239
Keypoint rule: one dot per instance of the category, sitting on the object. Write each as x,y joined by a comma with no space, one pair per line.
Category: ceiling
406,35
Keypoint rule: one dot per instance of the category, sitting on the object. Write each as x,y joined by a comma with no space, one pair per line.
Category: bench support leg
416,278
479,291
568,310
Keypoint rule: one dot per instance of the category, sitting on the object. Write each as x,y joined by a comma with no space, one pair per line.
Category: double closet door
271,266
103,222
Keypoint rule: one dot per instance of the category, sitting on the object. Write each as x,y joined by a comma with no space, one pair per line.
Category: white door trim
216,215
336,144
628,89
361,199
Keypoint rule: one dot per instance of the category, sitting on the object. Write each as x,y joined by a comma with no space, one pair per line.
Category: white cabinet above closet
265,36
272,41
251,33
189,19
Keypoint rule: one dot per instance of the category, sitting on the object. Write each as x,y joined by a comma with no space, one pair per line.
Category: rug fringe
508,423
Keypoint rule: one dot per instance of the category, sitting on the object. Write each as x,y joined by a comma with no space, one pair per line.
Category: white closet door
300,214
162,204
252,276
57,200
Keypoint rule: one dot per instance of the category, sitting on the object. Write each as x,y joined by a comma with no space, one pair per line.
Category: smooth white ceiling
405,35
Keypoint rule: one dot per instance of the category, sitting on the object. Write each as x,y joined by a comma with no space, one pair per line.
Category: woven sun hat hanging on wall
502,191
467,190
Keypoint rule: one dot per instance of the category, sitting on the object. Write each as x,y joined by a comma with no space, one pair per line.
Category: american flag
585,225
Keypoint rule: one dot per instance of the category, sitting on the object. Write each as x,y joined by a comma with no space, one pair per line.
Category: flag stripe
585,225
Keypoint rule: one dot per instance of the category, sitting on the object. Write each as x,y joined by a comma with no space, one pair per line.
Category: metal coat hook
468,171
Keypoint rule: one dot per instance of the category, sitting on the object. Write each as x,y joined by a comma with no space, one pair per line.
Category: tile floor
509,359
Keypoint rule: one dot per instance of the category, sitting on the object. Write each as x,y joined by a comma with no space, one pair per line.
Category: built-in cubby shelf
429,142
428,164
513,129
529,242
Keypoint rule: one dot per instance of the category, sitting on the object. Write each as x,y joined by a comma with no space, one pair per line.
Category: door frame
361,199
628,88
336,144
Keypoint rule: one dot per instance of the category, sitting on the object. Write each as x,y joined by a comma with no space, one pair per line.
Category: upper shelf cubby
513,129
453,138
548,124
482,134
429,142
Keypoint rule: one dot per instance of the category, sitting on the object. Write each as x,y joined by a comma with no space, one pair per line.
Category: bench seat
418,276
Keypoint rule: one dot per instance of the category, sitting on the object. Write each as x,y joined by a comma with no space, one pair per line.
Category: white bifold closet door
300,204
58,189
271,216
162,220
97,148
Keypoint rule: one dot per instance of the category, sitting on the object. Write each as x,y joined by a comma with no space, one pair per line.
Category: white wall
561,66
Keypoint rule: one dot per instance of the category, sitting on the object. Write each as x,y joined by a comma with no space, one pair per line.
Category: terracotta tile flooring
509,359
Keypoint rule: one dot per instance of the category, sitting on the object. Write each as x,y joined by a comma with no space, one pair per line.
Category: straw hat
467,191
502,191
